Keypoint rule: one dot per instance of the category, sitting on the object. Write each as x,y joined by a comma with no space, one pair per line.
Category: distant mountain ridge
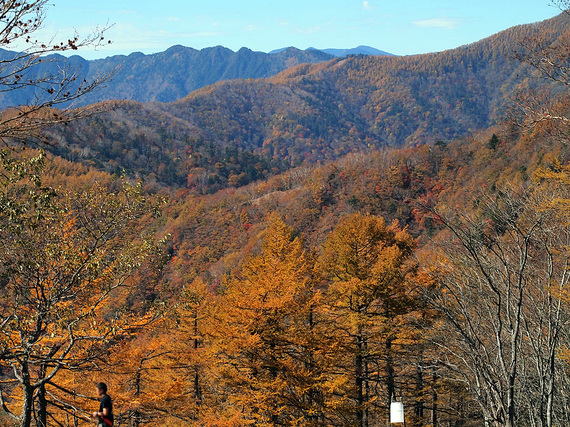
342,53
175,73
360,50
166,76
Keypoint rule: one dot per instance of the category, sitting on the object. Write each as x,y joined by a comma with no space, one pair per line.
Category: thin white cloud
366,5
251,27
442,22
310,30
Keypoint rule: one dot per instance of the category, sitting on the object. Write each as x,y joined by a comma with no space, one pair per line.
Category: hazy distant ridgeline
171,75
339,53
234,132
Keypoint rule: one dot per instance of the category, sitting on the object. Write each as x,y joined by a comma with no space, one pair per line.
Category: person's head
101,389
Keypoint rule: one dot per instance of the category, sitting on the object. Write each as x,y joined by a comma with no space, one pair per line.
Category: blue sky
402,27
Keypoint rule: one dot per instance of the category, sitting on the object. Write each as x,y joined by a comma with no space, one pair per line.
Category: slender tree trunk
315,396
27,406
434,420
273,372
390,381
550,398
197,388
42,402
419,404
136,417
358,365
366,391
42,407
27,396
510,422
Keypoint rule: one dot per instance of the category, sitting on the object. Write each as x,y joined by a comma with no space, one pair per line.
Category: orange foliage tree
265,336
67,259
367,264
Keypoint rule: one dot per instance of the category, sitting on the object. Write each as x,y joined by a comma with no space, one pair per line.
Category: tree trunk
434,397
550,398
390,381
366,390
42,407
136,418
27,396
358,366
419,404
511,400
136,415
42,402
197,388
27,405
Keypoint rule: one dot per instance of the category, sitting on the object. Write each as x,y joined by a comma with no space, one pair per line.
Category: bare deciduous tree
546,55
51,81
499,274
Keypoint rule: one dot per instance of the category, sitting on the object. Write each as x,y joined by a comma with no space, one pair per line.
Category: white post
397,413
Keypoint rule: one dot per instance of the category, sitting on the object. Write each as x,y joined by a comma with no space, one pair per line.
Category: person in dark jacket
104,416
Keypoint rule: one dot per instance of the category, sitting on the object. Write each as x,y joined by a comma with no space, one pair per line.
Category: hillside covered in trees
254,310
236,132
302,250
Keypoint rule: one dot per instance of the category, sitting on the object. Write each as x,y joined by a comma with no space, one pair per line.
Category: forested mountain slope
212,233
166,76
213,238
300,250
234,132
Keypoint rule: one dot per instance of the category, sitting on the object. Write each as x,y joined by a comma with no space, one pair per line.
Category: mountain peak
341,53
360,50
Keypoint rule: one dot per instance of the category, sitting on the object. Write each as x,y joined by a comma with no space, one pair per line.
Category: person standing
104,416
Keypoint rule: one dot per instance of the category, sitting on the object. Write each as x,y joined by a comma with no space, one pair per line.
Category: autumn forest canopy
286,240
